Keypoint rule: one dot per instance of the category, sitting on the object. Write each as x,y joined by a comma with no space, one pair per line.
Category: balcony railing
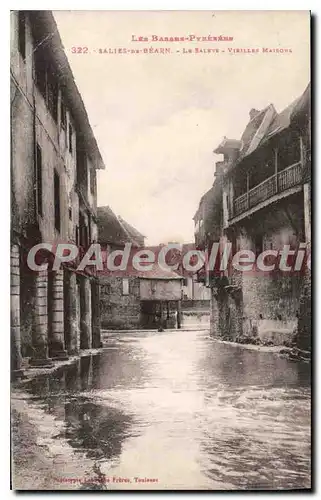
287,178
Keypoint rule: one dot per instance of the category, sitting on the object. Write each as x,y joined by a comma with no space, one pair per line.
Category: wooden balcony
277,183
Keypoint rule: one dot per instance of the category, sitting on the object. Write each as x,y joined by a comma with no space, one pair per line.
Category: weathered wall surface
37,127
195,291
119,311
160,289
22,151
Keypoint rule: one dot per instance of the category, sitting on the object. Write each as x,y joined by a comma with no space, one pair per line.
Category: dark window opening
289,152
70,138
70,213
52,94
92,180
22,33
41,70
39,180
46,80
57,200
258,244
63,114
82,173
240,183
266,169
83,231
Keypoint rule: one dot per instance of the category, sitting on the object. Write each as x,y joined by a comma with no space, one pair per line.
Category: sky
158,117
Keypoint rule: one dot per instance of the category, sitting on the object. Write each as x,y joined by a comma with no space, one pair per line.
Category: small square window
125,286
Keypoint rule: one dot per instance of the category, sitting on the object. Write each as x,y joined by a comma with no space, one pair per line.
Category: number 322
79,50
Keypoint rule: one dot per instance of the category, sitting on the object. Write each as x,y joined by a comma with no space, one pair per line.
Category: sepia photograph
160,250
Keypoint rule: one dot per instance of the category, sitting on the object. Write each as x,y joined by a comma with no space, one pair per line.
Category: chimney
253,113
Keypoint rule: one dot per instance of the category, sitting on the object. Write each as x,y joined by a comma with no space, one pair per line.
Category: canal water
179,410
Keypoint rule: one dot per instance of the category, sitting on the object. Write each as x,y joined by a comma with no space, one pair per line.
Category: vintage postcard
160,250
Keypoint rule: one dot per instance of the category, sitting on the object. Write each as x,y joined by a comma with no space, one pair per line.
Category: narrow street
170,410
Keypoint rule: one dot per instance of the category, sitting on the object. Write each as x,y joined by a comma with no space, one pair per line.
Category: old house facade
132,298
54,157
263,191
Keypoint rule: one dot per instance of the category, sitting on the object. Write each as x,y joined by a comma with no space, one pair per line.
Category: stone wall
160,289
119,311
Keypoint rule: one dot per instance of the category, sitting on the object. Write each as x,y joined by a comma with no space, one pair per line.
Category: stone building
260,201
54,158
132,298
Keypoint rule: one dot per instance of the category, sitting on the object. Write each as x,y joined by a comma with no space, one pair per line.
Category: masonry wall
160,289
22,151
32,125
119,311
271,300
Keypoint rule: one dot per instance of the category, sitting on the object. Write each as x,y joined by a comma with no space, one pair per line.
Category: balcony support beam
248,189
276,169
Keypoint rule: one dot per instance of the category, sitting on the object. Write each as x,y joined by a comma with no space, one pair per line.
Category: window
70,138
22,33
125,286
92,174
52,93
63,115
41,70
289,152
258,244
57,200
39,179
70,213
46,79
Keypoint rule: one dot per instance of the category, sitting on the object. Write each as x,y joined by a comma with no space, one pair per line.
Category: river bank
287,352
41,458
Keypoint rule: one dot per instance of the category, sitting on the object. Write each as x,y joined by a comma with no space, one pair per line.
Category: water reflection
90,425
190,411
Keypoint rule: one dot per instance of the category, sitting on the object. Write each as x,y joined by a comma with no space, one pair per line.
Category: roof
133,233
256,129
268,123
227,144
45,29
283,120
110,230
115,230
303,106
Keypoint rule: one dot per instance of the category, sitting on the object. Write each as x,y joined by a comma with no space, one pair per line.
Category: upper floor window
92,174
52,95
46,80
39,179
63,114
22,33
289,152
70,138
57,200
